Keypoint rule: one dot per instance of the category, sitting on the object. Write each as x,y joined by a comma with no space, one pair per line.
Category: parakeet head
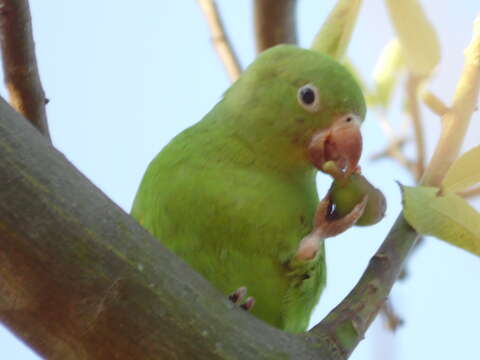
300,105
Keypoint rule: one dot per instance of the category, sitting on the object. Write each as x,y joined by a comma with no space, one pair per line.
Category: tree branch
457,118
80,279
394,151
275,23
470,193
413,108
434,103
220,39
346,325
20,65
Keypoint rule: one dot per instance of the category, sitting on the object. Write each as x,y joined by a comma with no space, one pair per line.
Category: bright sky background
123,79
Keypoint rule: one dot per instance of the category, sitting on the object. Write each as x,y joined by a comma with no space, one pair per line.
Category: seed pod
346,193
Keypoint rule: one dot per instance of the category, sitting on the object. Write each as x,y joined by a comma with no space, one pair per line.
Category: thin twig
434,103
275,23
394,151
397,143
22,78
413,84
394,147
456,120
393,321
220,39
470,193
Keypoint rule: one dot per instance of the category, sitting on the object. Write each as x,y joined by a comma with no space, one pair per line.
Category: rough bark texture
80,279
275,23
20,69
347,324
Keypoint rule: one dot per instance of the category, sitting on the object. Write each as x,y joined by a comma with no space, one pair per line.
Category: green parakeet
235,194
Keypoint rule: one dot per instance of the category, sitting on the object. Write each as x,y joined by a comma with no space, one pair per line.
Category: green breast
236,223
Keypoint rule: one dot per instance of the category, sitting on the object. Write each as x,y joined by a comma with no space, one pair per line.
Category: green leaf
447,217
464,172
388,68
417,36
334,36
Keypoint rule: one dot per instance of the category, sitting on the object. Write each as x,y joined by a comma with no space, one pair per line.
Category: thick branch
80,279
20,64
275,23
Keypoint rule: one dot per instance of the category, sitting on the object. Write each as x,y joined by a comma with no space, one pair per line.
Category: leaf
416,34
464,172
388,68
447,217
334,36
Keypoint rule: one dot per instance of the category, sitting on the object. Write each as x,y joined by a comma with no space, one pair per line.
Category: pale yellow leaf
464,172
334,36
416,34
447,217
387,70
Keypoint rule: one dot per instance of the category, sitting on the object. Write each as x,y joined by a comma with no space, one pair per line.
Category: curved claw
248,304
325,227
237,297
324,209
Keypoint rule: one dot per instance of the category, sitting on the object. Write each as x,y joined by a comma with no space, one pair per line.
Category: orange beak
337,149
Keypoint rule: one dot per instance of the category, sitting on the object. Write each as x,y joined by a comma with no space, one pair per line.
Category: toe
238,295
326,227
248,304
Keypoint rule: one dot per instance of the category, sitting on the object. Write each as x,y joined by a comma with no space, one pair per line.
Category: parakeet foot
248,304
326,226
238,296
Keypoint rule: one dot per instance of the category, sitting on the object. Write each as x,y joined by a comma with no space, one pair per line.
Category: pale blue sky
123,78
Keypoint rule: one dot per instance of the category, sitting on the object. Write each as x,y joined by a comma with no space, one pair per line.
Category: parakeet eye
308,97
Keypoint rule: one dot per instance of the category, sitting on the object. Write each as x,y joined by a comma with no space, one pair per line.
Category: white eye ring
308,97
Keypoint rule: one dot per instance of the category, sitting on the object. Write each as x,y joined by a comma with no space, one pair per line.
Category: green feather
234,194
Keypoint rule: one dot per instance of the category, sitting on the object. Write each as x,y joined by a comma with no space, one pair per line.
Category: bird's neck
246,142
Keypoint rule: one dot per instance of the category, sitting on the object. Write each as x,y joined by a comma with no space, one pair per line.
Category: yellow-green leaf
388,68
416,34
447,217
334,36
464,172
